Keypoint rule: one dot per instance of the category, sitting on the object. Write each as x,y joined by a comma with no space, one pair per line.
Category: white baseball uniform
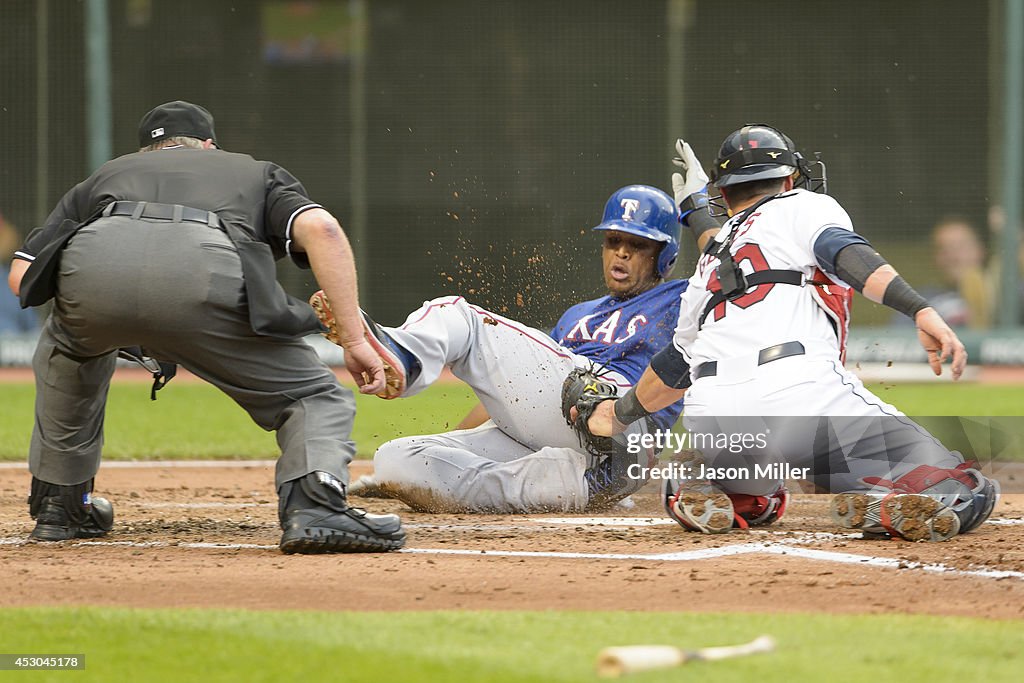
776,350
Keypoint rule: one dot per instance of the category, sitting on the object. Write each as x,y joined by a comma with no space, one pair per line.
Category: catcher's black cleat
316,519
54,523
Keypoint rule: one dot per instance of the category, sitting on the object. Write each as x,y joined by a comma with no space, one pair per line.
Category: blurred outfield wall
469,146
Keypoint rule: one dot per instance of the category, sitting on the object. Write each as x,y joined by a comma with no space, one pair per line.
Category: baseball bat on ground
616,661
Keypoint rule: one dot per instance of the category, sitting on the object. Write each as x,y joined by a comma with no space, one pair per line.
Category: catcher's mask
646,212
758,151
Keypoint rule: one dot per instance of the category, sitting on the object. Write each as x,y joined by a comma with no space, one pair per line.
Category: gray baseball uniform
525,458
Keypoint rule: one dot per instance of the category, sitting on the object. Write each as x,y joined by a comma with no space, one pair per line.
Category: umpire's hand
365,366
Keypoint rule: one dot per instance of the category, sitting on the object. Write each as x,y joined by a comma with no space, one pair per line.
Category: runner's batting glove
690,187
583,390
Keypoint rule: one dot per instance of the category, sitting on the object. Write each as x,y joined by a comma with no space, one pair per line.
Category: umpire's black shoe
53,523
316,518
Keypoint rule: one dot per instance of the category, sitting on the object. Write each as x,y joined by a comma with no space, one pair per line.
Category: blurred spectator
960,256
996,224
13,318
964,296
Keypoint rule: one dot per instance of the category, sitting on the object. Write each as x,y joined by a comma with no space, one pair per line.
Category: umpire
172,249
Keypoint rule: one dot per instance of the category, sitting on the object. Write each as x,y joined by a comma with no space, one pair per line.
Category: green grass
413,647
194,420
946,398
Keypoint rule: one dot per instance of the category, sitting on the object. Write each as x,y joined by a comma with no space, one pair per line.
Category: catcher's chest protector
837,302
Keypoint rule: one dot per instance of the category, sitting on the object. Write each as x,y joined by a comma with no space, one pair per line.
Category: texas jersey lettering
623,335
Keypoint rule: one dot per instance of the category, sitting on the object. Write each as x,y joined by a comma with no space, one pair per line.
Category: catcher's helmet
759,152
646,212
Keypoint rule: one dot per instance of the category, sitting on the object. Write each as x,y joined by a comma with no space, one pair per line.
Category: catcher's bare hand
940,342
365,366
602,422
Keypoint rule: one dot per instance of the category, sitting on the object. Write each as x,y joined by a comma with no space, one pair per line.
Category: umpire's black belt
162,212
766,355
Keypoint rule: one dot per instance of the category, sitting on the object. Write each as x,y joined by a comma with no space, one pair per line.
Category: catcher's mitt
583,389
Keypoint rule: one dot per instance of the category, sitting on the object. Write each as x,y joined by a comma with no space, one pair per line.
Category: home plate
605,521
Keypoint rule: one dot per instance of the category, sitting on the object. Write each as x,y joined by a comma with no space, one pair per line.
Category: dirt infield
189,536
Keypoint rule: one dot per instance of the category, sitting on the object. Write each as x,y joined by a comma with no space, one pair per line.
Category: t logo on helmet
629,207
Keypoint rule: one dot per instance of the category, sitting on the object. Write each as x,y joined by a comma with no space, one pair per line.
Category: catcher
762,332
515,452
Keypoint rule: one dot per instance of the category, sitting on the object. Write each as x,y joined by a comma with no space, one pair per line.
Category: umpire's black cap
176,119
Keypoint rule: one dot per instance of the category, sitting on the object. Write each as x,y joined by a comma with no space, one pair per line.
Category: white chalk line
688,555
888,562
557,524
1005,521
201,506
158,464
605,521
785,547
538,523
550,524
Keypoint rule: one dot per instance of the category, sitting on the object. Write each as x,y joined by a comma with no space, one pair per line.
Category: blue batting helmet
648,212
